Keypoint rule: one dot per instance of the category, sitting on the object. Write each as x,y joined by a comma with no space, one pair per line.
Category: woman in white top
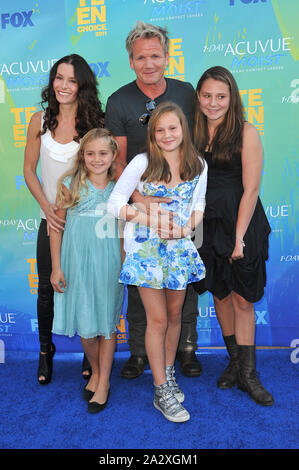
72,109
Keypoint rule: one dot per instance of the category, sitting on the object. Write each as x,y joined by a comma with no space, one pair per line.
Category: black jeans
45,294
136,318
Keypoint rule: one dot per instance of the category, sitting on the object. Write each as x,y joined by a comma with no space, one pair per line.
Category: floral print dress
159,263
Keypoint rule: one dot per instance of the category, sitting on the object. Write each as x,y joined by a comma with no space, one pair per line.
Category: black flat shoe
45,363
87,394
86,368
95,407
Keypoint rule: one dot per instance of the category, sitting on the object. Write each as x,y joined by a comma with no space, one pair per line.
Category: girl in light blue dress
161,258
86,261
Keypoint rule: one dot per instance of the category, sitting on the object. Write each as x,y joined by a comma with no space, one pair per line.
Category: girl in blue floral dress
161,258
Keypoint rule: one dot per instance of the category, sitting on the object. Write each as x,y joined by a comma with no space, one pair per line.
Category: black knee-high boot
247,378
230,375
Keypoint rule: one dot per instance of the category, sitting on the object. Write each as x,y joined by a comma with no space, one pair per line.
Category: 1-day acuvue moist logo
260,54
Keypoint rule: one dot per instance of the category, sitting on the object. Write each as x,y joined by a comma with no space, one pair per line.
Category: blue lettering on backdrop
20,181
100,69
246,2
256,61
17,19
177,8
27,80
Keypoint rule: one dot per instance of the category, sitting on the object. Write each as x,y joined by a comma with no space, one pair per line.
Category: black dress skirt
247,276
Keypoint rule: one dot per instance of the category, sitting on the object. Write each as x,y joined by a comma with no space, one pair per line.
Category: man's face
149,61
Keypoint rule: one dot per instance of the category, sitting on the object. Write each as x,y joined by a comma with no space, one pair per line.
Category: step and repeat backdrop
258,40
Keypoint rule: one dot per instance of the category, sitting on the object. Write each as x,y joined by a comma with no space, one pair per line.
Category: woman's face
214,100
168,132
65,84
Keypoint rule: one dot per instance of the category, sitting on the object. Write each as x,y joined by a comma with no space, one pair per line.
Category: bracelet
241,240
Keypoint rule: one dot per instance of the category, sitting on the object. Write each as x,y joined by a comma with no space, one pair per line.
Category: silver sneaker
165,401
179,395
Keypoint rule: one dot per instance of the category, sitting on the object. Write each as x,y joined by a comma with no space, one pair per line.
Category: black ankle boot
133,367
247,377
189,363
229,377
45,363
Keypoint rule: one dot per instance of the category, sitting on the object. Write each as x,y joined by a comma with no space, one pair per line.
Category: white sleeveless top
55,159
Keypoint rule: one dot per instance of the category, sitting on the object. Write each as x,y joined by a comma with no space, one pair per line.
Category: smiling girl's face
214,100
98,156
169,133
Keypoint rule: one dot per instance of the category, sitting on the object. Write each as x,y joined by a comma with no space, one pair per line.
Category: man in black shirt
127,114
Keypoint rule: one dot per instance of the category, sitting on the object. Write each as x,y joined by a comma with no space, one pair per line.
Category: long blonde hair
78,173
158,168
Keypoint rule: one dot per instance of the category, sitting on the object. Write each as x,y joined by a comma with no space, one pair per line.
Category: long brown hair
89,111
78,173
228,136
158,168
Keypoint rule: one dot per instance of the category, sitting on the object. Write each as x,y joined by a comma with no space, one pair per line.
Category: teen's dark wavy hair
89,112
228,136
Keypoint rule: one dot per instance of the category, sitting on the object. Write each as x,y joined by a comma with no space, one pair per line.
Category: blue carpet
55,416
